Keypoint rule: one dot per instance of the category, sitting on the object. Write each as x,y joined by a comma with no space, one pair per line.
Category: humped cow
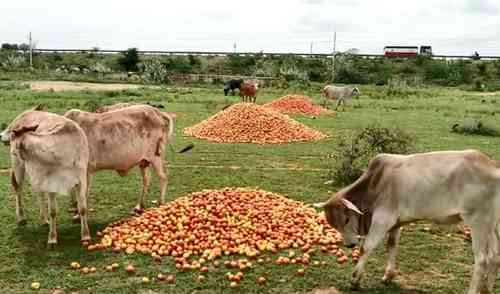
339,93
126,137
445,187
232,85
248,92
53,151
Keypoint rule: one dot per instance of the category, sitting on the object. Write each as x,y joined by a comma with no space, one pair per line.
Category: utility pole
234,47
333,54
31,51
311,51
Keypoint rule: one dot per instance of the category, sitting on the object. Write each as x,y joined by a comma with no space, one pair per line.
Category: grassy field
431,261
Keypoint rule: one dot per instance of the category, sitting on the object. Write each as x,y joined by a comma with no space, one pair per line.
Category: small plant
479,85
357,150
475,127
93,103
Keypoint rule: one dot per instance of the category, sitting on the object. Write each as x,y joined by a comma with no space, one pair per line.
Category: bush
153,71
357,150
475,127
350,76
12,62
93,103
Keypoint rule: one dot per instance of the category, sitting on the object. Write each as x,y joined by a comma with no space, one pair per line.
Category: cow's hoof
22,222
85,242
354,286
76,218
388,277
51,244
138,210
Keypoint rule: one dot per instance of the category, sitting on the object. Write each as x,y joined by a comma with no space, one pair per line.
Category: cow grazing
339,93
232,85
248,92
126,137
445,187
53,151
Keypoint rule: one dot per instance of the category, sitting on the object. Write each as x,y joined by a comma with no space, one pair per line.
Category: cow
107,108
232,85
339,93
54,152
127,137
444,187
248,92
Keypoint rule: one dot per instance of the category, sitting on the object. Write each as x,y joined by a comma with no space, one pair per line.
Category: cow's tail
171,133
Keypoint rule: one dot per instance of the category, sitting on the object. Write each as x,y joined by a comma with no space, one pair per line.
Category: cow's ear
41,107
19,131
351,206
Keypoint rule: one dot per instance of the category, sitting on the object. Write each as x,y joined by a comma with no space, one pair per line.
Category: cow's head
344,217
21,124
355,92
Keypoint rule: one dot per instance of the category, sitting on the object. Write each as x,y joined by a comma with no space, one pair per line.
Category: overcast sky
450,26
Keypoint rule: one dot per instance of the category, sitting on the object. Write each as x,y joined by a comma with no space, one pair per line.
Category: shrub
475,127
12,62
153,71
357,150
93,103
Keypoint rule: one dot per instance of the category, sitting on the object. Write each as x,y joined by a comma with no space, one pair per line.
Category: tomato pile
210,224
297,104
251,123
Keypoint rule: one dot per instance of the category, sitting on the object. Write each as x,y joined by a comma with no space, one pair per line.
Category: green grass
438,261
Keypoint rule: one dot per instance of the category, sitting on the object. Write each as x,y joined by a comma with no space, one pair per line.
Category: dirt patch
487,94
330,290
77,86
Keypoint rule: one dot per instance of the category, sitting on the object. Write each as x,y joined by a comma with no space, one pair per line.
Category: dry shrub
356,151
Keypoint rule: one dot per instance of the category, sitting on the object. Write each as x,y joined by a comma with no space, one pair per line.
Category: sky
453,27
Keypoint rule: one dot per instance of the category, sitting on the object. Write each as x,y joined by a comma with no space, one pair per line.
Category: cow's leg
494,256
43,217
382,223
162,177
141,204
339,101
392,249
82,208
73,204
17,179
52,219
481,236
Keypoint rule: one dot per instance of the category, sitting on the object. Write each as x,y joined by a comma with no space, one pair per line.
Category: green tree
129,60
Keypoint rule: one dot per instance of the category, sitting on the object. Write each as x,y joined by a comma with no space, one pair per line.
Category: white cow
339,93
54,152
445,187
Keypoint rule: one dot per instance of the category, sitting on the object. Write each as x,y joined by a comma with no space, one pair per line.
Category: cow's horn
351,206
319,204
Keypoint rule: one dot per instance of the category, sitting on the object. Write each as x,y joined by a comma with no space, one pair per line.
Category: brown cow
124,138
248,92
444,187
54,152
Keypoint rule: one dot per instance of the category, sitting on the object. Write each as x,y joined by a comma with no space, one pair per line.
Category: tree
6,46
129,60
24,47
